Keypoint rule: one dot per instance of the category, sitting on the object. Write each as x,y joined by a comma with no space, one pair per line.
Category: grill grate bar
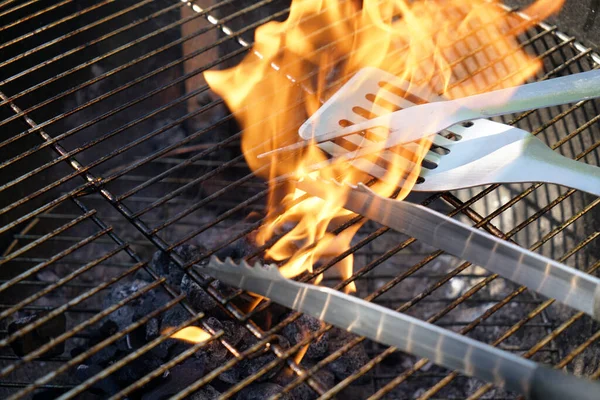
41,266
59,283
155,201
18,7
99,140
113,112
81,357
108,73
38,13
132,356
461,268
133,62
45,237
165,367
89,322
88,44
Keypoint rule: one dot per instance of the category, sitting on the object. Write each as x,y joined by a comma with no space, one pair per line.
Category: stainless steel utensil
540,274
483,152
408,334
505,155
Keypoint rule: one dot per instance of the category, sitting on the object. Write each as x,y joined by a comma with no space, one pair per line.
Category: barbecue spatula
483,152
410,124
408,334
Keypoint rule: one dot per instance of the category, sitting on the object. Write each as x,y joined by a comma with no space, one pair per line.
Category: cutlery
550,278
406,333
412,123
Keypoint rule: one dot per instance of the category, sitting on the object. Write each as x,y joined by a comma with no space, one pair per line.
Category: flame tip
424,48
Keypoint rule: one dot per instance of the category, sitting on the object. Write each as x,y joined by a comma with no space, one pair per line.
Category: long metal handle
409,334
541,274
548,93
545,165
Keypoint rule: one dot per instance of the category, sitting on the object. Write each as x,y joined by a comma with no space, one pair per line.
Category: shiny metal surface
396,329
541,274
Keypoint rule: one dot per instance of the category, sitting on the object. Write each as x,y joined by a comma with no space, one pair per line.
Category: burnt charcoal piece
125,314
351,360
106,355
136,369
255,363
170,319
233,332
237,250
216,353
262,391
165,267
298,330
39,336
152,329
197,297
206,393
303,391
104,387
178,378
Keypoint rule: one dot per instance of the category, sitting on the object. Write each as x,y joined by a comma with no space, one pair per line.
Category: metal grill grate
114,148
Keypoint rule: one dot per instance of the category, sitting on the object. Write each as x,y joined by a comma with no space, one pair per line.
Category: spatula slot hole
428,164
442,151
467,124
344,123
401,93
383,103
451,136
363,113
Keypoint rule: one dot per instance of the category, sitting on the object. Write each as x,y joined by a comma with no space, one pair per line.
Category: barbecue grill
117,159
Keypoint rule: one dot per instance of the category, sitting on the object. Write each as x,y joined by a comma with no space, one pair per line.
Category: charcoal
216,353
106,355
125,315
39,336
253,364
303,391
206,393
174,317
262,391
152,329
233,332
197,297
136,369
165,267
104,387
350,361
237,250
178,378
298,330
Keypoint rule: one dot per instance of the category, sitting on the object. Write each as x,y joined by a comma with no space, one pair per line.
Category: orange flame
456,48
191,334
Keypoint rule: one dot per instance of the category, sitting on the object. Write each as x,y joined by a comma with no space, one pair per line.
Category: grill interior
113,147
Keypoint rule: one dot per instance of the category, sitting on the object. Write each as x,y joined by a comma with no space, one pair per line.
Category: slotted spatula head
373,92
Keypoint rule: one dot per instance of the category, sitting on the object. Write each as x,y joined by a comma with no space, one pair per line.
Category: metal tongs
406,333
540,274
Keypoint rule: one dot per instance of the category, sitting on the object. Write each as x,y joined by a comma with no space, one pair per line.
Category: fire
191,334
297,64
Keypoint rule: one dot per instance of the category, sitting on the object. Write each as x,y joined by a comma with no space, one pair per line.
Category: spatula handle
548,93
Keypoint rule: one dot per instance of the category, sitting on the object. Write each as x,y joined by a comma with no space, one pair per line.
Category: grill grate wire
34,222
